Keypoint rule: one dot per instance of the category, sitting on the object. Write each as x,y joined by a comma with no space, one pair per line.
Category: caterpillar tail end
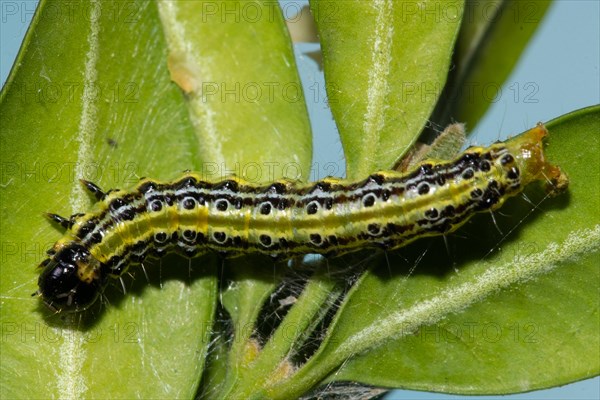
529,150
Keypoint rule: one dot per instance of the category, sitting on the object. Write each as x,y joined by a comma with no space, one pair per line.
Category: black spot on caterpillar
388,209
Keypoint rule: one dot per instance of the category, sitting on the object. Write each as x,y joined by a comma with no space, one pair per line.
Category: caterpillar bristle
62,221
93,189
496,223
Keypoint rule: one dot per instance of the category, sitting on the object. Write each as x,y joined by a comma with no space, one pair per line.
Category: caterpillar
387,209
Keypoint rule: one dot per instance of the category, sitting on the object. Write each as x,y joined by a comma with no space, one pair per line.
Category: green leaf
111,91
514,301
237,67
385,65
91,97
493,35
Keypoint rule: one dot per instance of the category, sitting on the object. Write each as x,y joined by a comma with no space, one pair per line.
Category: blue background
562,61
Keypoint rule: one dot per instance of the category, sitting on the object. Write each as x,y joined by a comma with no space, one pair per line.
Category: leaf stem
273,364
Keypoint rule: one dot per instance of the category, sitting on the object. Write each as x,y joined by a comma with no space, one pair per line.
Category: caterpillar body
282,219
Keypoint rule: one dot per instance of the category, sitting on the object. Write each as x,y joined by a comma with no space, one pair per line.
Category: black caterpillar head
70,281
